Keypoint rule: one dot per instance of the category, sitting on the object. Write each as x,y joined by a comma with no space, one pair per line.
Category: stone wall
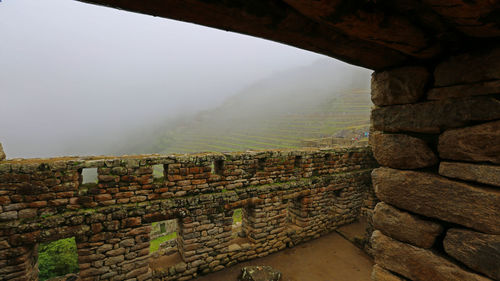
438,140
287,197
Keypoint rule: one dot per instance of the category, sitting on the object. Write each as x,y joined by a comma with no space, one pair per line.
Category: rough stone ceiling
373,34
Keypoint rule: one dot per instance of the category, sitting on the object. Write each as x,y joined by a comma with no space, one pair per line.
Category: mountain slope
315,101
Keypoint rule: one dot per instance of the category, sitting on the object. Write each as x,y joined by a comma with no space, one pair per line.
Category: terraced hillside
316,101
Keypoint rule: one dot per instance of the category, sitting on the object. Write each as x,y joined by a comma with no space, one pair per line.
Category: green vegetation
57,258
154,245
237,216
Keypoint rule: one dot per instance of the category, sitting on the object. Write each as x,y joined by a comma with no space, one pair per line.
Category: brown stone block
460,91
415,263
479,251
58,202
101,236
401,151
96,227
93,271
67,194
137,272
469,68
129,222
405,227
487,174
381,274
25,238
4,200
127,194
435,116
480,143
106,178
27,213
30,189
438,197
103,197
399,86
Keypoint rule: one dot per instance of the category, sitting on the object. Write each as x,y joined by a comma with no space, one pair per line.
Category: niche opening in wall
328,157
158,171
297,162
89,175
296,216
57,258
337,193
218,167
261,164
238,235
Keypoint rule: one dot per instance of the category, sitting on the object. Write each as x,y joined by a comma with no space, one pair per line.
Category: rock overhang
371,34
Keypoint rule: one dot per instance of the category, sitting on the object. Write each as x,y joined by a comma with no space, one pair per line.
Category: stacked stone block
43,200
438,140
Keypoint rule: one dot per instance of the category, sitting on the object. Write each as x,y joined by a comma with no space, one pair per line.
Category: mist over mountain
280,111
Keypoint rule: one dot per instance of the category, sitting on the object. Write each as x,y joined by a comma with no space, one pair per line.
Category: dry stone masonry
286,197
439,218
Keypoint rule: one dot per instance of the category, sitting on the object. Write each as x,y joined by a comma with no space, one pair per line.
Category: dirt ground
329,258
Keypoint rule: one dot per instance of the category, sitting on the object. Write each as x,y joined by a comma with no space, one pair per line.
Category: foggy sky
74,71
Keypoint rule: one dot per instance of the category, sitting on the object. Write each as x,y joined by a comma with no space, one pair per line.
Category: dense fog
82,79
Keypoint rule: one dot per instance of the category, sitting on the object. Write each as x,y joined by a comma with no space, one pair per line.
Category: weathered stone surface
259,273
2,153
435,116
438,197
415,263
381,274
399,86
479,251
469,68
477,143
401,151
405,227
487,174
467,90
474,18
372,25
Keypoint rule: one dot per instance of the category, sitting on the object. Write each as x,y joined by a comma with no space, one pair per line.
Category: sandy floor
329,258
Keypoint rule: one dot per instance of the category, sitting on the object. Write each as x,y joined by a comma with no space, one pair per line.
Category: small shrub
57,258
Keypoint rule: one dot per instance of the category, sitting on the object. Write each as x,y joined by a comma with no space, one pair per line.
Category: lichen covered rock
259,273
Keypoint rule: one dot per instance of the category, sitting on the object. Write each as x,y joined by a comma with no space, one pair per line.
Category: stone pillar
18,263
265,225
298,212
438,141
203,242
117,254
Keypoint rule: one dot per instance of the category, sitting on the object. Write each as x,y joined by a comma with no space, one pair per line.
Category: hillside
315,101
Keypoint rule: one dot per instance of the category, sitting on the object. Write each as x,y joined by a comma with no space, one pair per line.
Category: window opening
57,258
298,161
89,175
218,167
159,171
261,164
